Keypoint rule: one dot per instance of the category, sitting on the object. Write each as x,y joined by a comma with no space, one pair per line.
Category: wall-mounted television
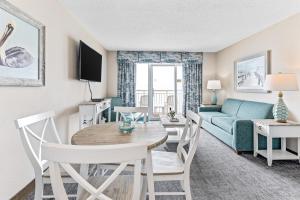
90,63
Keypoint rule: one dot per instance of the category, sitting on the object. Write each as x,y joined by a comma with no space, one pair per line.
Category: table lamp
281,82
214,85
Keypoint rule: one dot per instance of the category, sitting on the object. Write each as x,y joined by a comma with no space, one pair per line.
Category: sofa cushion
231,106
225,123
208,115
255,110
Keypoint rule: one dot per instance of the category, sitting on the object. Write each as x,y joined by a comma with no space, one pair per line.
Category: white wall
208,73
62,92
112,73
209,69
283,41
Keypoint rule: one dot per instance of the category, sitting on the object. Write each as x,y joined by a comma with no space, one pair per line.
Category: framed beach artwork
250,72
22,48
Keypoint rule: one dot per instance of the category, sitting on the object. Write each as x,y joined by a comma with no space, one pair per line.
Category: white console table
91,112
272,129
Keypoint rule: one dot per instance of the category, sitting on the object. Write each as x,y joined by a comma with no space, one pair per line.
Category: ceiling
177,25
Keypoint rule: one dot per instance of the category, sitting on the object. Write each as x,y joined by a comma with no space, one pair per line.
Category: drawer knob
259,128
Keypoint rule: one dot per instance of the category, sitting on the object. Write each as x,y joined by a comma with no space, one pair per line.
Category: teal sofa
232,123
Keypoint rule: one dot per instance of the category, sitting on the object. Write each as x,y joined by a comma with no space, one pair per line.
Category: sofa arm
243,135
209,109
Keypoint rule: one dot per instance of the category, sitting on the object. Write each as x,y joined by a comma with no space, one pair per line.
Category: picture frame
250,72
22,48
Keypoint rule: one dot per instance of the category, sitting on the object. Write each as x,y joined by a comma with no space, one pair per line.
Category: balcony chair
144,101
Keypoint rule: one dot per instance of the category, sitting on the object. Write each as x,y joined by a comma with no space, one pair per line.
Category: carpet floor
218,173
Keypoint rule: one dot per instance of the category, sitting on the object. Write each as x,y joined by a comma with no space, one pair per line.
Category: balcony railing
162,100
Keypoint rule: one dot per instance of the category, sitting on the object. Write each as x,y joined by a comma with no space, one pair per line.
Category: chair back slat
122,111
90,153
33,134
33,119
28,136
60,155
189,136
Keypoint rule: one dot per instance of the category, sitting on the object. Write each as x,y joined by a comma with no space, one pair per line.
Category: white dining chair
125,187
123,112
169,166
32,141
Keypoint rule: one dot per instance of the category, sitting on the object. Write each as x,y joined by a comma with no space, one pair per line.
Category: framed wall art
250,72
22,48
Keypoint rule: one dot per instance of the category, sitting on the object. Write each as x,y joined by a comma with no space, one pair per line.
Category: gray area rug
218,173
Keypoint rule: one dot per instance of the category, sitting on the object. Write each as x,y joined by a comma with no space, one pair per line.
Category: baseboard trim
24,192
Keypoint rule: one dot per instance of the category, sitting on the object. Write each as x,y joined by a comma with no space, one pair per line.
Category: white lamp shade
281,82
214,85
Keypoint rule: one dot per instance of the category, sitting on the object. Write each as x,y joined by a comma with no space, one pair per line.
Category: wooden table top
153,134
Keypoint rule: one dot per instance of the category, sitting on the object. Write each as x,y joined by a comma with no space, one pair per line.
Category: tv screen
90,63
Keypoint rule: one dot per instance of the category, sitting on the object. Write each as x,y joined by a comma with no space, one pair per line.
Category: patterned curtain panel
126,81
160,56
192,85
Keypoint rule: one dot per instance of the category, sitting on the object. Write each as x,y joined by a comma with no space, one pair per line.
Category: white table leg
84,172
269,150
255,141
150,179
283,144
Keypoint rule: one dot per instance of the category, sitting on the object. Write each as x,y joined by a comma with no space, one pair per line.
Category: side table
272,129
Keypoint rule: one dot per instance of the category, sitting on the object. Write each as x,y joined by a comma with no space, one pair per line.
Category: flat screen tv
90,63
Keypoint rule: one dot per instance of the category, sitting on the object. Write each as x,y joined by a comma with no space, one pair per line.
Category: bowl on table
126,127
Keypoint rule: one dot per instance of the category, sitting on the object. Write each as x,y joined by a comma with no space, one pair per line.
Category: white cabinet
91,112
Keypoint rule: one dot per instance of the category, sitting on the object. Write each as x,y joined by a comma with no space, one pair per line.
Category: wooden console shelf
90,113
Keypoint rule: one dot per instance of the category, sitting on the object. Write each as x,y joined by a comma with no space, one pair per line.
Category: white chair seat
166,163
120,189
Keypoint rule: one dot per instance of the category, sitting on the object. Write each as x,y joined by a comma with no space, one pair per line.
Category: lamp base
214,98
280,110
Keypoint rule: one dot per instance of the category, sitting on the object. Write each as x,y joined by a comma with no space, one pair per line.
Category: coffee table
174,129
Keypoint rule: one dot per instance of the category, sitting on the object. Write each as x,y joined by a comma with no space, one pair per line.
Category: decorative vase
171,113
280,110
214,98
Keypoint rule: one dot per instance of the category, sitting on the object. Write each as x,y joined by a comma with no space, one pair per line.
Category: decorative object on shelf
22,48
126,126
214,85
171,115
91,113
250,72
281,82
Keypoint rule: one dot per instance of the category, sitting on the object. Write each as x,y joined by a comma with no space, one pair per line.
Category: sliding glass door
159,86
